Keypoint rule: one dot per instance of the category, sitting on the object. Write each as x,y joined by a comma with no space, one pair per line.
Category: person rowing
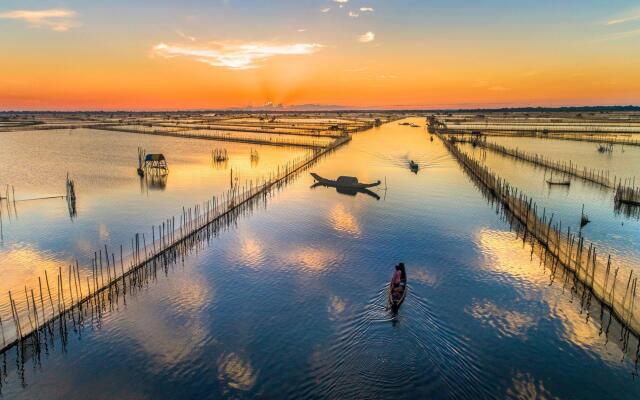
398,281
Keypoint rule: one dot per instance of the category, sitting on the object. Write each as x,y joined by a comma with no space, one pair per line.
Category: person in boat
396,279
403,274
397,282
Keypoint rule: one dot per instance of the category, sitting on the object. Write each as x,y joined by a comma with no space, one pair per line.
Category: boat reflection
154,181
349,191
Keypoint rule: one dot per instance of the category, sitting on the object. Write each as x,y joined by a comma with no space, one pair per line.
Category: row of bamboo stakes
576,137
9,203
258,129
628,194
589,129
599,177
74,296
607,283
219,135
627,200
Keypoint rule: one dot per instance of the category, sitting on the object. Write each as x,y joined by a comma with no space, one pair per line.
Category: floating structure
156,163
605,148
254,156
346,185
349,182
219,155
413,166
558,182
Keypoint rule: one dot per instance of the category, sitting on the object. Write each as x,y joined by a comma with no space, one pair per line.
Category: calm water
622,162
612,233
113,203
291,303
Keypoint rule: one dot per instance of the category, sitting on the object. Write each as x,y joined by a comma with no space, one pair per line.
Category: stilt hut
156,163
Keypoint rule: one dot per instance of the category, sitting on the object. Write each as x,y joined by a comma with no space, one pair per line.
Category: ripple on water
380,354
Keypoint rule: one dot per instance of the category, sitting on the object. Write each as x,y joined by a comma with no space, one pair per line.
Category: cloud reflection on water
505,255
312,259
170,330
506,322
526,387
236,373
344,221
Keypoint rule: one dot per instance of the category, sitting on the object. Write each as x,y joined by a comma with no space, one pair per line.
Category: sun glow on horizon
371,54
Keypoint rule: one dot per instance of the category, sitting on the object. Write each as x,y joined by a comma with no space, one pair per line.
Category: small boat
396,297
559,183
414,166
349,182
551,181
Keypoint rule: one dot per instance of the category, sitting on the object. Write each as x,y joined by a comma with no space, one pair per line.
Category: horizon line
328,108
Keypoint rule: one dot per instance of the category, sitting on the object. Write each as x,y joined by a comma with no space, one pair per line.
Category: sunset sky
197,54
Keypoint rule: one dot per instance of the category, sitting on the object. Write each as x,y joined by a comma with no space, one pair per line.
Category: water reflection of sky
113,203
291,303
612,234
622,162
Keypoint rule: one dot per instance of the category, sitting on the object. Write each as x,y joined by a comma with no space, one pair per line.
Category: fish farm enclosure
192,254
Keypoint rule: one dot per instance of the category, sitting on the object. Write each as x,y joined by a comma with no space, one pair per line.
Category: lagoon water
291,302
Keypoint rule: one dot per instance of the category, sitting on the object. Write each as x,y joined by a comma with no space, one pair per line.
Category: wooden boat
559,183
395,301
565,182
413,166
349,191
349,182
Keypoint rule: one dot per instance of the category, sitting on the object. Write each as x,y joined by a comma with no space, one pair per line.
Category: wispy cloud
623,20
341,3
366,9
234,55
59,20
325,10
185,36
367,37
353,14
